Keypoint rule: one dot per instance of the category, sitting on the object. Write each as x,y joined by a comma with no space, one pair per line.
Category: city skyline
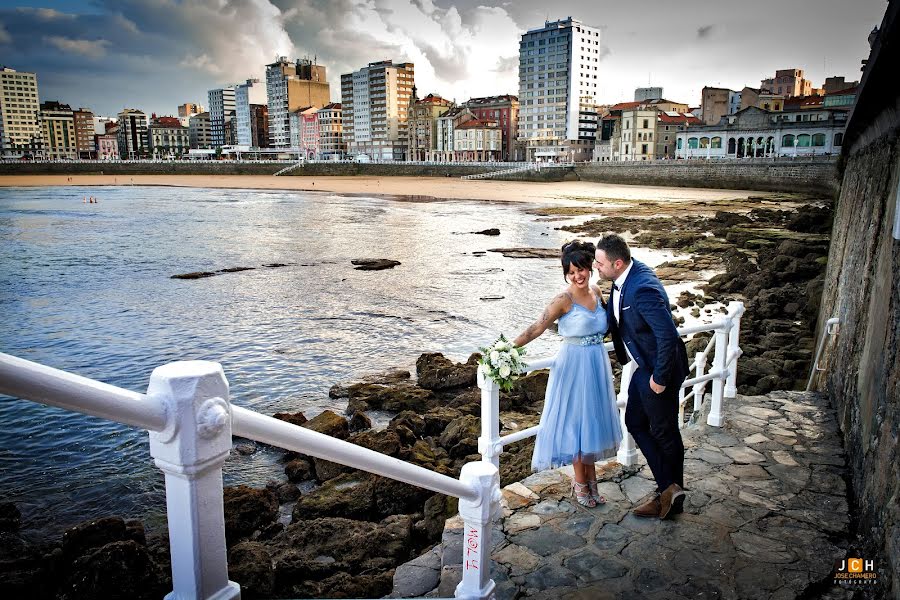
156,54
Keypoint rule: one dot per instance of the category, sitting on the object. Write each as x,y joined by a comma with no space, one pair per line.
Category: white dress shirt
617,300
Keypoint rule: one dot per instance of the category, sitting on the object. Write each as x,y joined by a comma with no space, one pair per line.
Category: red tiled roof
682,118
434,99
332,106
624,105
478,124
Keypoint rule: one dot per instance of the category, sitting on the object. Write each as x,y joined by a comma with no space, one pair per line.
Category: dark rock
90,535
235,269
194,275
350,495
326,470
459,429
413,421
527,252
438,508
250,565
388,396
437,419
247,510
329,423
134,531
122,569
244,448
285,492
386,442
492,231
10,518
436,372
394,497
297,418
359,422
374,264
299,469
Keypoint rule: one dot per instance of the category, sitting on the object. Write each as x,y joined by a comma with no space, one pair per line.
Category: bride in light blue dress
580,420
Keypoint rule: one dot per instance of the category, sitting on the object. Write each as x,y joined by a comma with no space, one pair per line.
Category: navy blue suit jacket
645,325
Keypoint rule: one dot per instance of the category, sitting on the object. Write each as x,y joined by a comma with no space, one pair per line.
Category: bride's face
579,277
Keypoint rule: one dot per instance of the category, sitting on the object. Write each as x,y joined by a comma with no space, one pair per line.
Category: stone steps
765,517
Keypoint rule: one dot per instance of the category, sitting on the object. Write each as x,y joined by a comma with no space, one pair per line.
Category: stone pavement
766,516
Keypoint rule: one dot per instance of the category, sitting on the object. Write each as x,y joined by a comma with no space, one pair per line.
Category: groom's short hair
615,247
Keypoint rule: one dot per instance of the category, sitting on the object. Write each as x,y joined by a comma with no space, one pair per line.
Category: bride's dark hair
578,253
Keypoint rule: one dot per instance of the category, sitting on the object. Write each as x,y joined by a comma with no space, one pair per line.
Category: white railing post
477,516
736,309
681,408
720,363
627,454
700,362
191,451
490,420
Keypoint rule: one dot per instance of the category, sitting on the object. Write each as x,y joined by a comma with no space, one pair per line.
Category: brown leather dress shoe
649,509
671,497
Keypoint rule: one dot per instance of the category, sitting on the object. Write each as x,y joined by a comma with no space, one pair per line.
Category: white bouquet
502,362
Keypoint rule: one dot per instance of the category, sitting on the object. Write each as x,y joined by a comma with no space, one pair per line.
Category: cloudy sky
156,54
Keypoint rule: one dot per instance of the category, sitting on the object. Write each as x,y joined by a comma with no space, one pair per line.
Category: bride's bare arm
557,308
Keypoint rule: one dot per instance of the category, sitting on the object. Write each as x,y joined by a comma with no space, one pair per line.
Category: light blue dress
580,418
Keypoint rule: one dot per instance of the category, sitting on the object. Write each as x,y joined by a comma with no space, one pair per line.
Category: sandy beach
411,188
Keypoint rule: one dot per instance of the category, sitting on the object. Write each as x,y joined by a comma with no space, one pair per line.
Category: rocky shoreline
349,530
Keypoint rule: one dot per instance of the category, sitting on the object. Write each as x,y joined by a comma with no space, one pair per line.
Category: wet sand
416,188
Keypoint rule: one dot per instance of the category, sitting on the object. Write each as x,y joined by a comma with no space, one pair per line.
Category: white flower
505,371
495,356
503,346
485,370
515,353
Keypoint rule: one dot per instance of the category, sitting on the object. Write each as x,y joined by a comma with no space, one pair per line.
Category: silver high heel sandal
595,493
582,494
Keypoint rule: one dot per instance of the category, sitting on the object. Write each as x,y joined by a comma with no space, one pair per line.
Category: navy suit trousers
652,420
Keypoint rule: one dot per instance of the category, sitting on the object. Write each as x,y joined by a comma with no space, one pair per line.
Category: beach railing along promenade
191,421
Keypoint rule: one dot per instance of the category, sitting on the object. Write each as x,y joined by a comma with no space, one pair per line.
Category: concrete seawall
816,176
782,175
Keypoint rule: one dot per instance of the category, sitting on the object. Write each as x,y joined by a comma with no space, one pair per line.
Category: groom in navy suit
642,330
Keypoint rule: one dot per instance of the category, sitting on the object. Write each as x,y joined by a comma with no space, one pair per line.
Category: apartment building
247,95
199,132
289,87
331,132
422,125
133,136
168,137
58,122
477,140
221,111
376,101
505,111
21,132
559,74
84,133
787,83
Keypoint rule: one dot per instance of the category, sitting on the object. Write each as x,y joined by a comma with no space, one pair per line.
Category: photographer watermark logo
855,571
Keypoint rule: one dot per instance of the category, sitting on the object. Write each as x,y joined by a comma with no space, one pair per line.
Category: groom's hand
657,389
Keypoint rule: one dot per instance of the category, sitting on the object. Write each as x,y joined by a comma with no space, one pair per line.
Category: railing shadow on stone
191,421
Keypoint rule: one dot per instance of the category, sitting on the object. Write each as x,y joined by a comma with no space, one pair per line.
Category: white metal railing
832,326
191,422
723,375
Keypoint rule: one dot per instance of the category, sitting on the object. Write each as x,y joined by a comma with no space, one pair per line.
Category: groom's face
608,269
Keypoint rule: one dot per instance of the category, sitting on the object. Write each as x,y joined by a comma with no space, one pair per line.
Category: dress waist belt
585,340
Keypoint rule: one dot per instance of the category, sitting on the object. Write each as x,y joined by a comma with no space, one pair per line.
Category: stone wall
784,175
862,289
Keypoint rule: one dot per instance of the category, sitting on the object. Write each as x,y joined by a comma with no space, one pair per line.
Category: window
646,123
803,140
716,142
692,142
643,148
839,139
787,141
679,143
704,142
818,139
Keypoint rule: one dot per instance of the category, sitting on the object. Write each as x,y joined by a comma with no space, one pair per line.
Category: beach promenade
766,517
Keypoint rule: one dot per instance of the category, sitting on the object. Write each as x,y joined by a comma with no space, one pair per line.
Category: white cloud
88,48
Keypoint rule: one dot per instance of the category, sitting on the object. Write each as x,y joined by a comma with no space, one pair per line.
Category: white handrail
832,326
275,432
32,381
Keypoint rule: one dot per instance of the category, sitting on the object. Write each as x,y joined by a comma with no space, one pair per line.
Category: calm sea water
87,288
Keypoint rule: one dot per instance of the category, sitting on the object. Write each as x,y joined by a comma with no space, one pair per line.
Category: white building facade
754,132
21,133
375,102
559,75
245,94
331,138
